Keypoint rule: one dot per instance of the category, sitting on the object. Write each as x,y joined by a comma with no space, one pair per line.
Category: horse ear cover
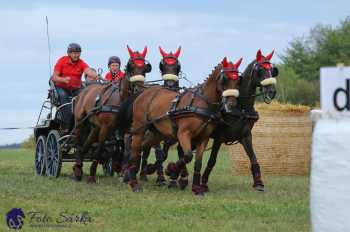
148,68
128,67
178,67
161,66
274,72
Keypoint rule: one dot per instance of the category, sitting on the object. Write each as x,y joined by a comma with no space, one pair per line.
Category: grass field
231,204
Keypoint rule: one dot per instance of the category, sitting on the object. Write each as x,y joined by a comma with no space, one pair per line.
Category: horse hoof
78,172
121,180
119,175
116,167
78,178
199,194
150,169
205,188
183,182
137,189
197,190
172,170
259,188
143,178
125,176
172,184
91,180
126,179
160,181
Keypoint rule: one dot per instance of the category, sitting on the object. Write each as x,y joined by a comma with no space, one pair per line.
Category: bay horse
238,126
96,110
228,69
189,117
169,68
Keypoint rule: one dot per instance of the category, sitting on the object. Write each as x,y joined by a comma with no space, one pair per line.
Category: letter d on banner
347,95
335,89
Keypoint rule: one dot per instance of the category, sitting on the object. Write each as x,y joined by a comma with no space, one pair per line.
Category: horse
260,73
162,155
96,110
189,117
170,68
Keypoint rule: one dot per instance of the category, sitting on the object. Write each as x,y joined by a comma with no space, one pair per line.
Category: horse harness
176,113
102,107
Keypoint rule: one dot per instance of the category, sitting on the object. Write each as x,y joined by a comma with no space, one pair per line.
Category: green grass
231,204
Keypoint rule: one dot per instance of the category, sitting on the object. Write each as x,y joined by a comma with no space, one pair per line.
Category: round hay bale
281,140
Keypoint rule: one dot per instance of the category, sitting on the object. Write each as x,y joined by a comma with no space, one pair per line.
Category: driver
67,79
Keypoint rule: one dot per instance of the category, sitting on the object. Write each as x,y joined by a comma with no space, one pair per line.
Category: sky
207,31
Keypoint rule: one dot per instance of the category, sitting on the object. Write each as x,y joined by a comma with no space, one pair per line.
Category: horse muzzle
269,93
229,99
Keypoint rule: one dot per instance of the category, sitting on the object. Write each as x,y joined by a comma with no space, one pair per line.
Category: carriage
55,145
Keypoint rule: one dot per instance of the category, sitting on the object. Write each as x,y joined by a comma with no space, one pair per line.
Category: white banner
335,89
330,169
330,175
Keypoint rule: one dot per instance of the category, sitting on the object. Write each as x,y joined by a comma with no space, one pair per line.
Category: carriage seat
53,94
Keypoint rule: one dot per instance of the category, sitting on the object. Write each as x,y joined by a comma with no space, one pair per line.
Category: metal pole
48,43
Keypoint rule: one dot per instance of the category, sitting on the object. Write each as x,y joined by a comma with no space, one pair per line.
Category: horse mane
248,69
214,73
245,88
124,84
126,70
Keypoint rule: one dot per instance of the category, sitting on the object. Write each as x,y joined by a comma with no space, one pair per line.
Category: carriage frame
53,146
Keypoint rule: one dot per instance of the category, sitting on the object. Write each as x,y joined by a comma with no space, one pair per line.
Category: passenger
114,74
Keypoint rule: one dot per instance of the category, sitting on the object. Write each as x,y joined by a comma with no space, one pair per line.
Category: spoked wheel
40,156
54,156
107,168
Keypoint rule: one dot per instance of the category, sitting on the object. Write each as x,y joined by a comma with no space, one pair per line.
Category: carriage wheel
107,168
40,156
54,156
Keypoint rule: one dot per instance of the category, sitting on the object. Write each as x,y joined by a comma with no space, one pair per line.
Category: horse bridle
262,91
163,62
147,64
222,78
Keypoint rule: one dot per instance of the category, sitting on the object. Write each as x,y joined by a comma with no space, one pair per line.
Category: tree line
298,81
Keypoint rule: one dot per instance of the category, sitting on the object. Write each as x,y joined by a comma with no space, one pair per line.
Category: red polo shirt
119,75
66,68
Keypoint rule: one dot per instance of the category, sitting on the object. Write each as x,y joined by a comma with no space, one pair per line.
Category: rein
267,100
114,88
154,81
253,95
261,93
